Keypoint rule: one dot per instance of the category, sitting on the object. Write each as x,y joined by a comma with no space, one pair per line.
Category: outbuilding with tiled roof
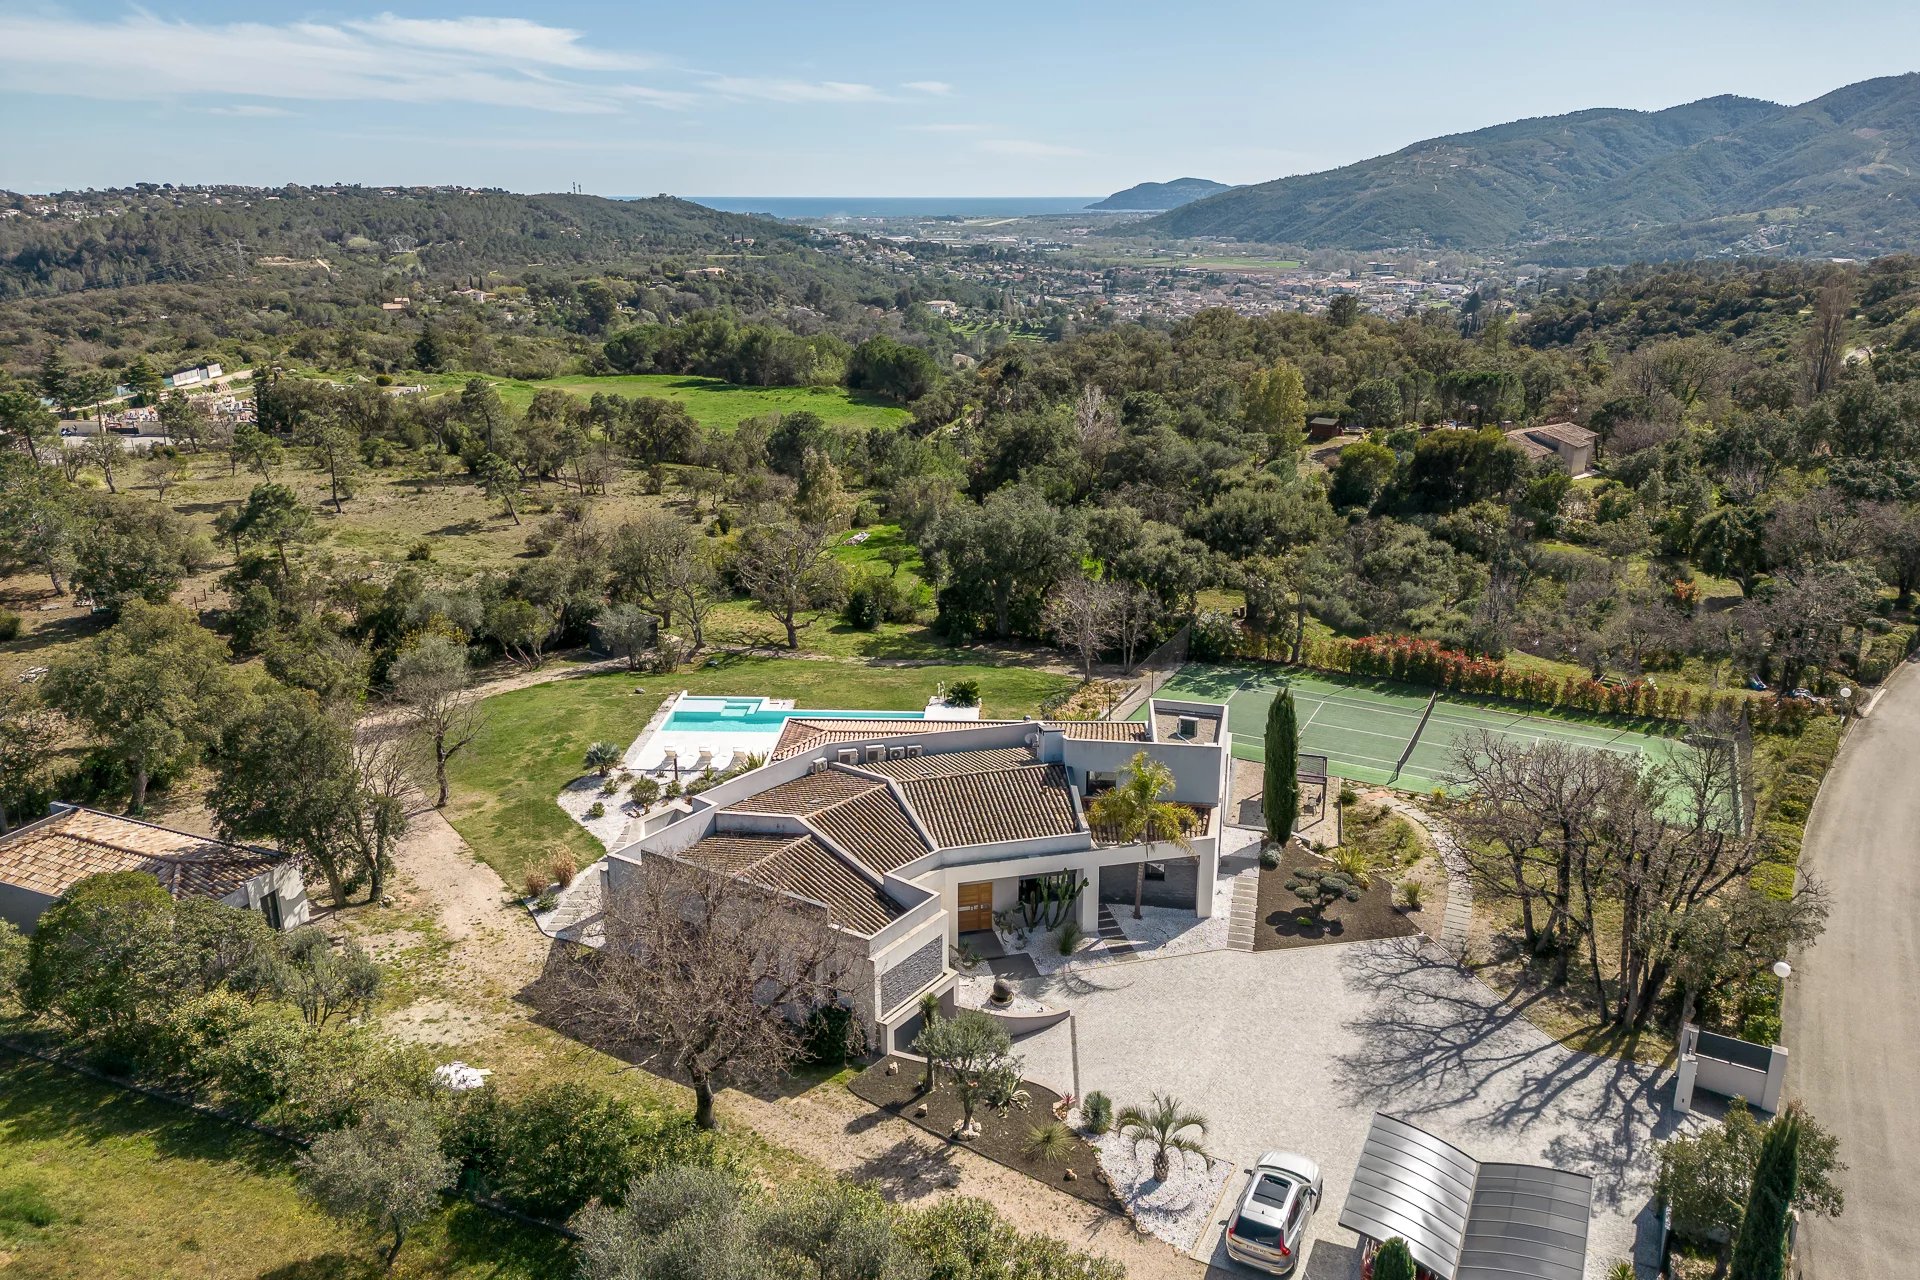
42,861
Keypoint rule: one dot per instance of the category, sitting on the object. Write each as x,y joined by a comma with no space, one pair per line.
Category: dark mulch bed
1002,1135
1276,920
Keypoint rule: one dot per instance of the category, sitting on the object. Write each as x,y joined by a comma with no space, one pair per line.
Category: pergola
1464,1220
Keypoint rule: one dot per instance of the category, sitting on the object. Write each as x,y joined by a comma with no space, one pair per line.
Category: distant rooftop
51,856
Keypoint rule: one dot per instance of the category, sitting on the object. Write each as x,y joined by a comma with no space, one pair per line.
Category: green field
712,402
1383,733
100,1184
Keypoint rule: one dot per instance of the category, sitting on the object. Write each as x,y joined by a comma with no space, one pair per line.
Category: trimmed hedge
1427,662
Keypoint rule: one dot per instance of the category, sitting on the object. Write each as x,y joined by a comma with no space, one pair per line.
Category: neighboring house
1570,443
1322,428
42,860
909,833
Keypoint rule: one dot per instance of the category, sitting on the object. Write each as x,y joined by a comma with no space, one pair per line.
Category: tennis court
1384,733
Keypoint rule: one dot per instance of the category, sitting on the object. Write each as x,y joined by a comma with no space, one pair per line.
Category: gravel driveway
1297,1049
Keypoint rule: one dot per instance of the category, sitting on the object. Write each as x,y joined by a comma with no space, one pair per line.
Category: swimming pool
753,715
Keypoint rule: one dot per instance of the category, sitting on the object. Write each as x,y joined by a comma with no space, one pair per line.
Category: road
1852,1023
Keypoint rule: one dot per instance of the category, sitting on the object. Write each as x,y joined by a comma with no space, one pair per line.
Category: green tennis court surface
1380,732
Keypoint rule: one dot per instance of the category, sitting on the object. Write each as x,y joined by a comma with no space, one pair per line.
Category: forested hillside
1830,176
375,281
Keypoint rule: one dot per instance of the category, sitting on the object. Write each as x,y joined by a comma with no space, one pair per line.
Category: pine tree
1760,1250
1281,800
1394,1261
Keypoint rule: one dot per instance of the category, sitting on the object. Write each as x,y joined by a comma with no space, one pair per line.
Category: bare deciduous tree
431,681
1825,340
1081,614
708,971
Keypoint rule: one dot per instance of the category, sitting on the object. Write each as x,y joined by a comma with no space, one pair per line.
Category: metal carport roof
1464,1220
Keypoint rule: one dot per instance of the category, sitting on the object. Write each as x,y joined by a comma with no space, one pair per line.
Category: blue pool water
751,715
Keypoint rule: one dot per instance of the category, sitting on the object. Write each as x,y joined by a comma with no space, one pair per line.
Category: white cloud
249,111
490,61
938,88
779,90
1026,147
508,40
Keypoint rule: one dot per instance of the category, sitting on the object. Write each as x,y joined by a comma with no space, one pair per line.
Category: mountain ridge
1840,173
1157,196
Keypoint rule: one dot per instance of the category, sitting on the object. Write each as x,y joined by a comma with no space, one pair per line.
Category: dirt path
832,1127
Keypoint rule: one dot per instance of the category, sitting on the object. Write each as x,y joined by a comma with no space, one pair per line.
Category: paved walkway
1852,1021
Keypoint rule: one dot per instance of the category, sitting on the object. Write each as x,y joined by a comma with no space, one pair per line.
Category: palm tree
1133,812
602,756
1162,1122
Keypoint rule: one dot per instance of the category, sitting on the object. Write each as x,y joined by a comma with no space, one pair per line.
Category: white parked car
1271,1219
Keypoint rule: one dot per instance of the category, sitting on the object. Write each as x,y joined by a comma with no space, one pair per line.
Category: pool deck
715,745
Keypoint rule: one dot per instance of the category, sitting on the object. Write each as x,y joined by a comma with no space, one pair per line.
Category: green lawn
504,785
100,1184
714,403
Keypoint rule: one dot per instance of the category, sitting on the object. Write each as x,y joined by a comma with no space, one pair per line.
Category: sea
818,207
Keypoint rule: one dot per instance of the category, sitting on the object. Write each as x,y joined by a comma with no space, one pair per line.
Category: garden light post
1782,970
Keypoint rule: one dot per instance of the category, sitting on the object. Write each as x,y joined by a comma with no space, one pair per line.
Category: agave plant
1163,1123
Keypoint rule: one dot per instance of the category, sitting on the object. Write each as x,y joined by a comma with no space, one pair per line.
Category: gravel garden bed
1003,1135
1177,1210
1282,920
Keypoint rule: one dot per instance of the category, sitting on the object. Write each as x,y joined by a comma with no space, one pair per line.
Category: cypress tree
1760,1250
1281,800
1394,1261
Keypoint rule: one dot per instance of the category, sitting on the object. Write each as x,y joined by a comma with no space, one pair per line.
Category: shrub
10,624
562,869
1348,796
1761,1028
596,810
1048,1143
552,1150
1394,1261
829,1036
546,902
1410,894
1214,636
963,693
645,791
602,756
422,550
1096,1112
535,883
610,787
1270,857
1068,937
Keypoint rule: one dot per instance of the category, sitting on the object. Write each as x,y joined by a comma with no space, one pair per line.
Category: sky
814,97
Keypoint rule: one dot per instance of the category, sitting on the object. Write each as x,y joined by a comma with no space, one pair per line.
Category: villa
909,832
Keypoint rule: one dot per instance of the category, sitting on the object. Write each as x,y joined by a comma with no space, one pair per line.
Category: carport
1464,1220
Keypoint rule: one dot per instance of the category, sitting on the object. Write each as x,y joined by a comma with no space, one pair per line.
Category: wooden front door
976,906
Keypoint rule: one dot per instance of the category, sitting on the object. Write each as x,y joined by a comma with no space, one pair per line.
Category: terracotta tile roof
1570,432
1102,730
872,828
800,735
801,866
51,856
1534,450
807,794
993,806
945,762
